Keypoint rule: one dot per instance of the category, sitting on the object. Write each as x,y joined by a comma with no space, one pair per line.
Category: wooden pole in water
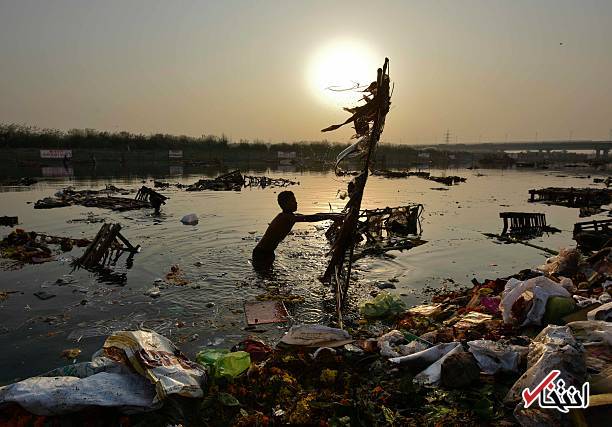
374,138
345,242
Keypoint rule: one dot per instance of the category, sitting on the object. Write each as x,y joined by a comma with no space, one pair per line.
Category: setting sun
338,67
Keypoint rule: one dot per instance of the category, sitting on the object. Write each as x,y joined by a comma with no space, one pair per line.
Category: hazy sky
250,69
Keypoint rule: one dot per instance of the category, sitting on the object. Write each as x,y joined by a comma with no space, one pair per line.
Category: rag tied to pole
368,120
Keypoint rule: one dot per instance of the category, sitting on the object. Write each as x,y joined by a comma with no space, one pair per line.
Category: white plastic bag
554,348
592,332
60,395
493,357
316,336
424,358
388,349
542,289
432,375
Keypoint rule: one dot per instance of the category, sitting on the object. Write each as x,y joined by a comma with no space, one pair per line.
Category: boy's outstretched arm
318,217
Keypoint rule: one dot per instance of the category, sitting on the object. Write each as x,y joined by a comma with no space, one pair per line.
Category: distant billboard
56,171
175,154
424,155
287,154
55,154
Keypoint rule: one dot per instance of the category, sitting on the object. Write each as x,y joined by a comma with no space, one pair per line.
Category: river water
214,257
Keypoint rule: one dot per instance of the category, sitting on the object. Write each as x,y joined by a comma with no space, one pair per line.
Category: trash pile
235,181
92,198
33,248
472,355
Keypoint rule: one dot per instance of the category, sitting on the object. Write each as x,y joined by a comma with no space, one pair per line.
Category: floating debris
525,224
32,247
175,276
92,198
106,248
44,295
25,182
9,221
593,235
447,180
162,184
571,197
71,353
262,312
153,197
90,218
235,181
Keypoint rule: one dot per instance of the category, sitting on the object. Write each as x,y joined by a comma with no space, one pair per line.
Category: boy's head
287,202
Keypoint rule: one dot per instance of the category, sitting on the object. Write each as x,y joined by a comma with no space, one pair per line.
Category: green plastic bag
209,357
223,363
384,305
556,308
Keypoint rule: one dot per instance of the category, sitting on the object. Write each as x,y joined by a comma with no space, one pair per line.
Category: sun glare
341,66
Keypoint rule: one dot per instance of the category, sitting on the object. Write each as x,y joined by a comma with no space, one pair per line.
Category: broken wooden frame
106,248
572,197
525,223
146,194
593,235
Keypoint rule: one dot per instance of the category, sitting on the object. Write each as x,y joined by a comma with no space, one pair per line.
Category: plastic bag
556,309
596,337
493,357
425,358
191,219
157,359
592,332
433,374
127,392
553,348
384,305
541,289
316,336
209,357
224,363
388,347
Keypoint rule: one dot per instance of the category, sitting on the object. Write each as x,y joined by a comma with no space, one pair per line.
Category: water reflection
214,255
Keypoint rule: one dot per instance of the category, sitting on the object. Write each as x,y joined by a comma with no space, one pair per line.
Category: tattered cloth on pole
368,120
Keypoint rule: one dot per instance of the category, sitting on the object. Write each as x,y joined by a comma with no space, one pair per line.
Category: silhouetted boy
281,225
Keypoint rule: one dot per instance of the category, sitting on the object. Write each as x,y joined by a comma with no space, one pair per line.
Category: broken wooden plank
107,241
